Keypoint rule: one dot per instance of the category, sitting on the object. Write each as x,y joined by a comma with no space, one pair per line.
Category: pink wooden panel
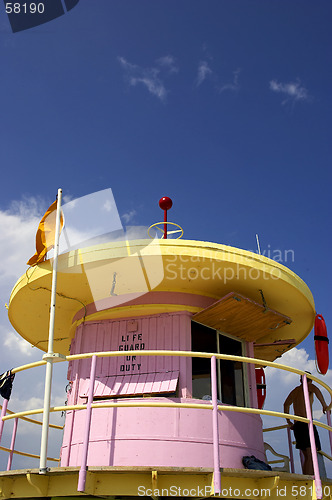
117,386
141,383
149,382
165,384
132,385
160,382
169,331
99,346
158,378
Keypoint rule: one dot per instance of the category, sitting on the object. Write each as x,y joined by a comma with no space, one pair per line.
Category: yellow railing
32,421
205,406
24,454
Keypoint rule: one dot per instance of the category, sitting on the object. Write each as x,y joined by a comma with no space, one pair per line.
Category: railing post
49,355
12,444
82,473
290,447
216,460
328,417
3,413
318,483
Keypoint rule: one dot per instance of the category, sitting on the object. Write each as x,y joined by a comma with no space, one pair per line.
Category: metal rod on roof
258,245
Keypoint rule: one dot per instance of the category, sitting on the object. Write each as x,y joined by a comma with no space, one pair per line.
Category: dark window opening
203,339
229,373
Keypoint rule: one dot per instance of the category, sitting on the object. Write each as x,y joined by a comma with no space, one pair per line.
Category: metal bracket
90,483
264,301
55,357
6,487
154,482
39,482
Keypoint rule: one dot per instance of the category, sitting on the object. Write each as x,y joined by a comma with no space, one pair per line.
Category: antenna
258,245
165,204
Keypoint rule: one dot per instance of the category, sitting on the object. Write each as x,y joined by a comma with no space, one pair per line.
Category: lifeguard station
165,341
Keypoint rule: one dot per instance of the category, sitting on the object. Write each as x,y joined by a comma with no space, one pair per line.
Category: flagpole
49,357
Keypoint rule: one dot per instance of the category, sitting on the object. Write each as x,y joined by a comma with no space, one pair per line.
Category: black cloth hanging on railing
6,384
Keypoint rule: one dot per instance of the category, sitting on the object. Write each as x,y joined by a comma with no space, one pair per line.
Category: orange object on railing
321,345
261,386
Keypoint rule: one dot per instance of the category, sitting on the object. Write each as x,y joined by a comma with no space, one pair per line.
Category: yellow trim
187,354
28,366
279,427
137,310
29,455
140,404
32,421
325,454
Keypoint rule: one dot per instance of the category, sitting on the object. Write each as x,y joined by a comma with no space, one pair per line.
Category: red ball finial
165,203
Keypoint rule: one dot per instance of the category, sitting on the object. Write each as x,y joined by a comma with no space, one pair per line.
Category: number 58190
32,8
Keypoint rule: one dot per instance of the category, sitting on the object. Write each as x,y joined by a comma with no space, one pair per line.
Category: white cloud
107,206
28,207
168,62
67,198
203,72
293,91
152,83
15,343
17,244
17,236
234,85
284,381
129,216
150,78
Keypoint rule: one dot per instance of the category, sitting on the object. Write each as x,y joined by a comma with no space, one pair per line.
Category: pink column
3,413
318,484
65,462
252,376
12,444
328,417
82,473
290,447
216,461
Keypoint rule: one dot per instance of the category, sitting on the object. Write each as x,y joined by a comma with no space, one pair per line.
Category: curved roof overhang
122,279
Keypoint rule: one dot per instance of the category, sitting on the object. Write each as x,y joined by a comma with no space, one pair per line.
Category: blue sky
223,106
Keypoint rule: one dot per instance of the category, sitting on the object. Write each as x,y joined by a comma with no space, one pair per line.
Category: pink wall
176,437
150,436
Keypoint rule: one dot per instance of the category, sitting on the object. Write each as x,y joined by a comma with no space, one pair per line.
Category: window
229,373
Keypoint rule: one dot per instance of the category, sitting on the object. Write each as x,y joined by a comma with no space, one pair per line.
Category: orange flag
45,235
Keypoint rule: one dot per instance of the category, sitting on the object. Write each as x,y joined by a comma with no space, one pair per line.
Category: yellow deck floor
124,482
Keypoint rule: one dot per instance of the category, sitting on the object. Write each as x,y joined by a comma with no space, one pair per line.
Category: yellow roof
111,274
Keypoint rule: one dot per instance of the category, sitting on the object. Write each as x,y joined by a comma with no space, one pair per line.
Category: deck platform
135,482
